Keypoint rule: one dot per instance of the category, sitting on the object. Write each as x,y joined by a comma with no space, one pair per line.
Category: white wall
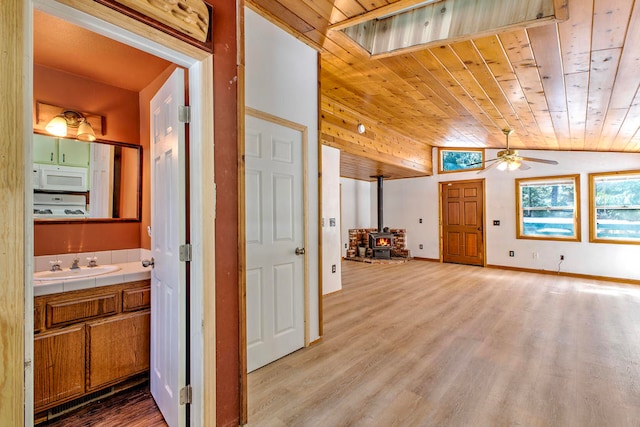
356,207
408,200
281,78
331,254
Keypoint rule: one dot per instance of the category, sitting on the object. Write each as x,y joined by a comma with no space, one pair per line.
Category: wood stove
381,244
382,241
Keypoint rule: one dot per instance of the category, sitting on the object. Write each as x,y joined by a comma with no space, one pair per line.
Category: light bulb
57,126
85,132
502,166
513,165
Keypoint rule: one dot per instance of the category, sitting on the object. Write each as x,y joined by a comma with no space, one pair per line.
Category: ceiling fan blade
479,163
533,159
524,167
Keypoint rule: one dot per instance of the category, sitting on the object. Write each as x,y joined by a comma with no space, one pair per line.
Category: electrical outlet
421,246
512,253
345,246
420,220
561,257
333,268
496,222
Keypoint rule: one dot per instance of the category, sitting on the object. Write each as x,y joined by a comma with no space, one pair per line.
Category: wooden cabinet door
73,153
45,149
118,347
59,366
462,222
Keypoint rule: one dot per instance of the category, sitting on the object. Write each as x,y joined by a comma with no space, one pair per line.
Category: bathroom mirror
80,181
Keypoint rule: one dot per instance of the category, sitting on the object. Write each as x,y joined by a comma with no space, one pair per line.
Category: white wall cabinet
60,151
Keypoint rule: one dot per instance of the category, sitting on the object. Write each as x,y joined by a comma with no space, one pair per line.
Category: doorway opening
202,202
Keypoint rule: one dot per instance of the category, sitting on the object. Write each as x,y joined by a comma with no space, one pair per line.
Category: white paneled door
275,241
168,341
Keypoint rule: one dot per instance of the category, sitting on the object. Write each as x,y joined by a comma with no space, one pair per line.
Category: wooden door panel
118,348
453,243
471,244
462,222
59,366
470,192
453,214
471,214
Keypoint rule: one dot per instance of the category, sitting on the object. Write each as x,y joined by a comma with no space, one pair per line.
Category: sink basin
75,274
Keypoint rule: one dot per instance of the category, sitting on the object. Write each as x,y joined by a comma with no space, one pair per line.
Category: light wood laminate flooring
429,344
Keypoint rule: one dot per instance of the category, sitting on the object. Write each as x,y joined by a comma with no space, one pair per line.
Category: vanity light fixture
59,125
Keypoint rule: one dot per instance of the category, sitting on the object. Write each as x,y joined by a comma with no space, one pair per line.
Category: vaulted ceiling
571,85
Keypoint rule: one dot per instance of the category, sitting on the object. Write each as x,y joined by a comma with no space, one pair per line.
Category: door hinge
186,393
184,114
185,252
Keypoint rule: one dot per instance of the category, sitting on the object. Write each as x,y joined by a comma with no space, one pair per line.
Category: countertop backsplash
128,260
120,256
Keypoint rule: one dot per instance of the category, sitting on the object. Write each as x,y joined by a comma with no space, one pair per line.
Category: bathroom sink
75,274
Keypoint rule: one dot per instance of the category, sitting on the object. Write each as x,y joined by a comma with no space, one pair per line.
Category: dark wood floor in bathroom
132,408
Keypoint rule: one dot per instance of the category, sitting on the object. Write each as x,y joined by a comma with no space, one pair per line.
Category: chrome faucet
75,265
55,265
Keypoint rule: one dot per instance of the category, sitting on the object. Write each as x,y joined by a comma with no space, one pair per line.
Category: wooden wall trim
109,15
242,234
320,205
12,182
426,259
228,109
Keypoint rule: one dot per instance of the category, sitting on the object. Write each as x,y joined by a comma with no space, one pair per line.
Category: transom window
614,207
548,208
460,159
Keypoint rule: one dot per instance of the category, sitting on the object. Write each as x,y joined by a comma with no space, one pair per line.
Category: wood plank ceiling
563,86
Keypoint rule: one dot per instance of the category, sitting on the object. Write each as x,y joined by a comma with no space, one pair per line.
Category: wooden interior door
463,222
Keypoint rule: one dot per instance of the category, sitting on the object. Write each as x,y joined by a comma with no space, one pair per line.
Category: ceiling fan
510,160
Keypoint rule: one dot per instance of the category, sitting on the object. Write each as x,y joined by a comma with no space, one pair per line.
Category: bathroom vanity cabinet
89,340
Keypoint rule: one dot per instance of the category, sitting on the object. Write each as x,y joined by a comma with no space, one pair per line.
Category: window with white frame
548,208
614,207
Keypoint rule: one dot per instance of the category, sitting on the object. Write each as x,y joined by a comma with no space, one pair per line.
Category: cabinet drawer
64,312
135,299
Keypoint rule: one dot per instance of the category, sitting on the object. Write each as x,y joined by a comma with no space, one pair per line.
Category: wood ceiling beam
377,13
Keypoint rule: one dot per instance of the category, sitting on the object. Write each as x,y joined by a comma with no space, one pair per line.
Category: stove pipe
380,204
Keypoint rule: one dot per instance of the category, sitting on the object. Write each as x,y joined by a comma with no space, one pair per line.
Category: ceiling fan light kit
510,160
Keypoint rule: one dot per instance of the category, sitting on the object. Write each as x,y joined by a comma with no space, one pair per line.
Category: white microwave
60,178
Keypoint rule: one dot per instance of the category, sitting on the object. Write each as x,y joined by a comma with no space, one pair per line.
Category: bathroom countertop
129,272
